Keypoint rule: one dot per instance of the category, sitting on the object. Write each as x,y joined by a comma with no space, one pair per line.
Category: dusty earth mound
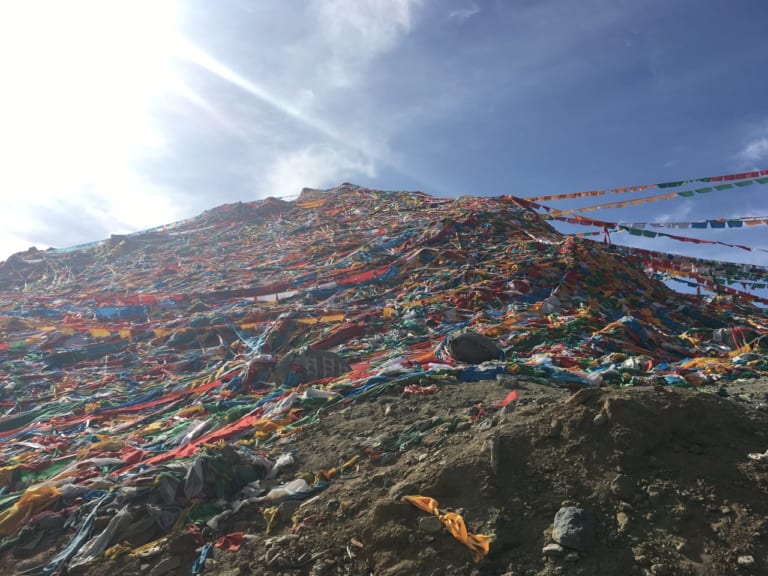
664,474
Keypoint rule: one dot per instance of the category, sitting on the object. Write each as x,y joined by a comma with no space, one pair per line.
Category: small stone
430,524
508,382
553,550
574,528
746,561
622,519
287,509
572,557
681,546
725,510
462,426
555,428
623,487
600,419
660,570
641,560
166,565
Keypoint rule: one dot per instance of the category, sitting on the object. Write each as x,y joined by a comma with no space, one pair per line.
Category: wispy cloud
755,151
679,214
357,31
314,167
464,14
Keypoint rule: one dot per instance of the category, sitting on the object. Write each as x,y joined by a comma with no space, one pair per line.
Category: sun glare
78,80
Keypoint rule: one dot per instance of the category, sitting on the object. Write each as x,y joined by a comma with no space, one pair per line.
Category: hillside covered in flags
153,375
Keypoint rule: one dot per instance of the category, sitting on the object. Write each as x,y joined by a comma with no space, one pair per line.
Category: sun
78,79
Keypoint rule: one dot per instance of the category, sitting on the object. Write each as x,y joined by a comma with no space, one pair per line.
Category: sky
120,116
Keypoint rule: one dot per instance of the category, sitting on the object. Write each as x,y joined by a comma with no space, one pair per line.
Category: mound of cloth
146,378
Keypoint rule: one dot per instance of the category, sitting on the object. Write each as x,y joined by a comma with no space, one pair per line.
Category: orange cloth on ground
478,544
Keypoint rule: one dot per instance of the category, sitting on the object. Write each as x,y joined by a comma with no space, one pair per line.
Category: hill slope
297,367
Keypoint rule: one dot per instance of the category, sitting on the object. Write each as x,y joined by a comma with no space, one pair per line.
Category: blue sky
119,116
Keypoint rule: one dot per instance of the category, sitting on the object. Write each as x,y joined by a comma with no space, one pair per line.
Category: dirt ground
665,472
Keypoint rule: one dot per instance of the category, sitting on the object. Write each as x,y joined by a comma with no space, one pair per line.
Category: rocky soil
654,480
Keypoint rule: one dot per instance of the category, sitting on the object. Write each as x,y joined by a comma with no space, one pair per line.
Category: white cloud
464,14
679,214
314,167
77,92
357,31
755,151
123,203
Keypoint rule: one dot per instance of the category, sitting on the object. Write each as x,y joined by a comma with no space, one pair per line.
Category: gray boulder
574,528
473,348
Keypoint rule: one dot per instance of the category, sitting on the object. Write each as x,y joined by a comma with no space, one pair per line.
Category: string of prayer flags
642,188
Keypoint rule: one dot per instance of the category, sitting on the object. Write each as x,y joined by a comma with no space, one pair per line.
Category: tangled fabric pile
149,378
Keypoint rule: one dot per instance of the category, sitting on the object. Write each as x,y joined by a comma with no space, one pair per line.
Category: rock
600,419
507,381
660,570
622,519
430,525
734,337
574,528
746,561
553,550
165,565
287,509
307,365
623,487
473,348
